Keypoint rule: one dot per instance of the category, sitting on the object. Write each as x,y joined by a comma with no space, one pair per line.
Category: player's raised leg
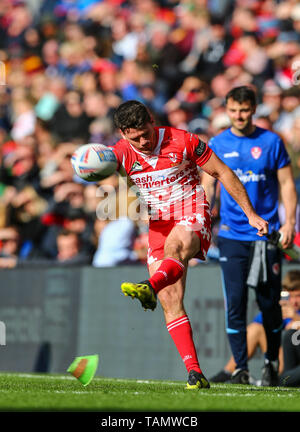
167,273
180,245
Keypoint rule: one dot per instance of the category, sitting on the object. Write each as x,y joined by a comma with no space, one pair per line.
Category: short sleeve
197,150
118,155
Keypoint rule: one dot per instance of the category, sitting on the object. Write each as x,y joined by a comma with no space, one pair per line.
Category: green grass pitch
45,392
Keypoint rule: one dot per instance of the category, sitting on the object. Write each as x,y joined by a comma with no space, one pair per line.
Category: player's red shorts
160,229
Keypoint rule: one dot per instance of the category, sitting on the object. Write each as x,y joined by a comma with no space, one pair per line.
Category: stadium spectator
19,164
91,200
244,260
51,99
100,122
271,101
141,241
116,225
51,58
69,249
69,253
67,209
115,243
209,47
263,122
24,210
177,117
58,167
219,123
9,242
70,121
164,56
24,117
290,99
191,98
124,41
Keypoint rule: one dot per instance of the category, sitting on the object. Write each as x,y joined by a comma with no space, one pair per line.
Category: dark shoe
270,376
221,377
240,376
196,380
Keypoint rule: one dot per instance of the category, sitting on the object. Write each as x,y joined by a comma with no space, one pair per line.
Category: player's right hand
260,224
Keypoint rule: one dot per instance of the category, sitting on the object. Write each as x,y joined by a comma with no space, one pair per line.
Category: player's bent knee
171,299
181,244
173,249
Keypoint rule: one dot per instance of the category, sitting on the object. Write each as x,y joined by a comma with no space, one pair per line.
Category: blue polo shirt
255,159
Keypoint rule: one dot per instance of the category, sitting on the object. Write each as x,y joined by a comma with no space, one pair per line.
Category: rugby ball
94,162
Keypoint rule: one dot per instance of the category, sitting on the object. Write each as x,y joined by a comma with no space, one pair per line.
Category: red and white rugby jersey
168,180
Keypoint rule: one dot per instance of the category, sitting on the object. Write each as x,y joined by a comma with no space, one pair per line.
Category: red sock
168,273
182,335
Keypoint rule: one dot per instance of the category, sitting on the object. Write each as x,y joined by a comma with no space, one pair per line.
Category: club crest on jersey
136,166
173,157
256,152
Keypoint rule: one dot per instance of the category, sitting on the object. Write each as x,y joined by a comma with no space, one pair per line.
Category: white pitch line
135,393
22,375
256,389
138,393
69,377
51,391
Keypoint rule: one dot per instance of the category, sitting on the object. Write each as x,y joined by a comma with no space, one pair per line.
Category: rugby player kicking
162,162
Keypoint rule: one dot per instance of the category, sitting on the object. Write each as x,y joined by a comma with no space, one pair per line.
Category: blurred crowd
65,65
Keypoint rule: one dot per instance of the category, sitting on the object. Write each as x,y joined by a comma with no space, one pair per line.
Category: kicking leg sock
182,335
168,273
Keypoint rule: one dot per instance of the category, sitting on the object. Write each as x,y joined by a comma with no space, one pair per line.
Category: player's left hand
260,224
288,232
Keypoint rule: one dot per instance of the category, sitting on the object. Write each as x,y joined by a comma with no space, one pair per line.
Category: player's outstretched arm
217,169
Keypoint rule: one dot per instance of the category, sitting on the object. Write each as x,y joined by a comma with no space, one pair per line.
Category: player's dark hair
241,94
131,114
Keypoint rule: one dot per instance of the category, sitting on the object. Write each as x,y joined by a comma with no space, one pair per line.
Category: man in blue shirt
259,158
